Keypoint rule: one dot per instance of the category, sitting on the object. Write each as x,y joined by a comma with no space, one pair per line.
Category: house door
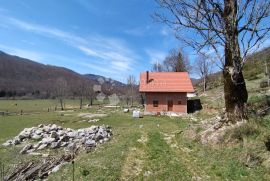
170,105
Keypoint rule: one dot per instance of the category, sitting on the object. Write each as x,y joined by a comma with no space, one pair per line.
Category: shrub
263,84
267,143
246,130
85,172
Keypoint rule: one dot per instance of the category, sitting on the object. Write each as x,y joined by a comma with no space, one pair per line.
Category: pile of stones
53,136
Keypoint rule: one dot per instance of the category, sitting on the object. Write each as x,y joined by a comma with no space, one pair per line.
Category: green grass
156,159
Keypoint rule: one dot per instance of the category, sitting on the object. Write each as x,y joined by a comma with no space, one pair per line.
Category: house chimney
147,77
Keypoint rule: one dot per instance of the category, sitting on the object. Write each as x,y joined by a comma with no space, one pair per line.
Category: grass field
150,148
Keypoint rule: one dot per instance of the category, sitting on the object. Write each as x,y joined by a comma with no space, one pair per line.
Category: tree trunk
204,84
80,103
61,104
267,73
91,101
235,91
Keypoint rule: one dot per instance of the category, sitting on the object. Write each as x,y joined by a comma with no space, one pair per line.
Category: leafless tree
61,90
131,83
90,93
176,61
203,67
82,88
157,67
236,26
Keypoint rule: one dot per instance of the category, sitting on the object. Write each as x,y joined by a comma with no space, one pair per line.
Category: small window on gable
155,103
179,102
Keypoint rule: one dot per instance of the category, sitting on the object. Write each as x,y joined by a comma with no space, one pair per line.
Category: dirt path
186,158
134,162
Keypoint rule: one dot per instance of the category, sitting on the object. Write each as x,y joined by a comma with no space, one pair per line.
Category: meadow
149,148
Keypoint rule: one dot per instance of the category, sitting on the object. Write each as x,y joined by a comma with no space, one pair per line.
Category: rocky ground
52,136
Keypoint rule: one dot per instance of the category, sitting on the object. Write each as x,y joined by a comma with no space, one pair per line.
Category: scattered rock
26,148
40,125
35,154
55,169
38,132
48,140
90,143
93,120
55,144
16,141
41,147
53,136
7,143
36,137
147,173
64,138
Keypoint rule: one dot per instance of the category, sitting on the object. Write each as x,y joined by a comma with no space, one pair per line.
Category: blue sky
111,38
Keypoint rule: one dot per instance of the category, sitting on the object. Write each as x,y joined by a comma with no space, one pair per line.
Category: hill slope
21,76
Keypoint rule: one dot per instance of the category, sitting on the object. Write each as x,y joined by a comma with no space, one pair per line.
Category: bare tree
61,90
131,83
157,67
90,93
203,68
176,62
82,90
236,26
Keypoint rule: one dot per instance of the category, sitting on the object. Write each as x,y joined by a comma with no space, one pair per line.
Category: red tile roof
166,82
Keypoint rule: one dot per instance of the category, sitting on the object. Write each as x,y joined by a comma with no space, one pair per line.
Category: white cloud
112,52
44,30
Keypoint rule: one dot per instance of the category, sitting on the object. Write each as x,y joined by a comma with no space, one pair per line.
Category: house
165,91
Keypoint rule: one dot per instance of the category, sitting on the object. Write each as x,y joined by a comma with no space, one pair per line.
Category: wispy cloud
155,55
23,53
165,31
138,31
112,52
45,30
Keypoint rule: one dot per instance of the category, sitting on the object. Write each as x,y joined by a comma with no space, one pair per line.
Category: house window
179,102
155,103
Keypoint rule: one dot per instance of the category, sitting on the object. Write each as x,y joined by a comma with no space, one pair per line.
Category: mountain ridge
23,76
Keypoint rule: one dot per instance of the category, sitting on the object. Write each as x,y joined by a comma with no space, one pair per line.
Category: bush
263,84
246,130
85,172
